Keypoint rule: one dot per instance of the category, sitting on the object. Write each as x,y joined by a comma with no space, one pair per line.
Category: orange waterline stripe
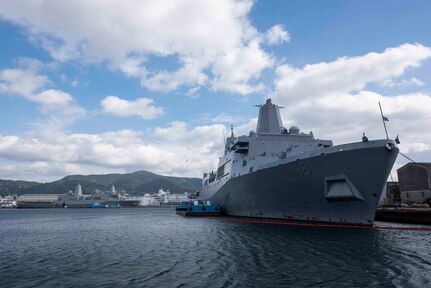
319,224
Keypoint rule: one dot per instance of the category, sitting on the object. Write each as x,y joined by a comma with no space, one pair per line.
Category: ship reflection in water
156,248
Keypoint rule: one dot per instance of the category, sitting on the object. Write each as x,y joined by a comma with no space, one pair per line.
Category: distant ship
285,174
76,199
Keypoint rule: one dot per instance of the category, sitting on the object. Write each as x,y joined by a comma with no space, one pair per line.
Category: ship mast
269,120
384,119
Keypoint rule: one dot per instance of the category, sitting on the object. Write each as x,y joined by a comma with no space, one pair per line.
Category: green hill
136,183
8,187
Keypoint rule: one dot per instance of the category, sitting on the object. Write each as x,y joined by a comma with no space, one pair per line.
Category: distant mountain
8,187
136,183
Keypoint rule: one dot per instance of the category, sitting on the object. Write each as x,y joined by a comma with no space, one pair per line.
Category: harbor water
155,248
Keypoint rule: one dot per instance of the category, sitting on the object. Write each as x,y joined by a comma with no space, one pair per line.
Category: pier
404,215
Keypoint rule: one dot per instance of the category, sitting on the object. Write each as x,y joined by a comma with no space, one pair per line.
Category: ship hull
90,203
124,203
75,204
311,189
35,204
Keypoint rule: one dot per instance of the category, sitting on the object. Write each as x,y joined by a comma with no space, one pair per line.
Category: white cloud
331,99
228,119
390,83
212,40
177,150
35,65
189,74
141,107
173,150
277,35
234,69
74,83
208,136
48,171
21,82
416,147
32,86
329,88
52,99
193,92
347,74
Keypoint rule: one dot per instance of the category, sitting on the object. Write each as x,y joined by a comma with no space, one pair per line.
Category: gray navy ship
286,174
76,199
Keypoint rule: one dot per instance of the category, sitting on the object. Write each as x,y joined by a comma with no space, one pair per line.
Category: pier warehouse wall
390,195
415,182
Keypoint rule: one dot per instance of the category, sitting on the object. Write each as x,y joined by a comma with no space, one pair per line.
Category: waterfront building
37,201
149,200
415,182
8,201
390,195
163,198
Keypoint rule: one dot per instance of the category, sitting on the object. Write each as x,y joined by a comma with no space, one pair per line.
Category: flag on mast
384,119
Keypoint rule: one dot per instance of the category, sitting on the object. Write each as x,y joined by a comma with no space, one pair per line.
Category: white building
7,202
418,197
149,200
163,198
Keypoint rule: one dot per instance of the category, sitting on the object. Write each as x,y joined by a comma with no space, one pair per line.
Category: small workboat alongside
198,208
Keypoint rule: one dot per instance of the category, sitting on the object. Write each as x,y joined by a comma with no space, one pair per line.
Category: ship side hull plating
311,189
90,203
35,204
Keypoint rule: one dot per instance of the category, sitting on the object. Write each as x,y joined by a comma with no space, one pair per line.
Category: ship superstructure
78,200
286,174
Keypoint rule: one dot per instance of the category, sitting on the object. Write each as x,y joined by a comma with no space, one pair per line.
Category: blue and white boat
198,208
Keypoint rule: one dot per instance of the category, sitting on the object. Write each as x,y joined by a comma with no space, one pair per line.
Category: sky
95,87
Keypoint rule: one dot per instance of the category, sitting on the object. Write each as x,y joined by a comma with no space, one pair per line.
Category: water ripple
154,247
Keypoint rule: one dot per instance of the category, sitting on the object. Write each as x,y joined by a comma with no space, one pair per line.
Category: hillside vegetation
136,183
